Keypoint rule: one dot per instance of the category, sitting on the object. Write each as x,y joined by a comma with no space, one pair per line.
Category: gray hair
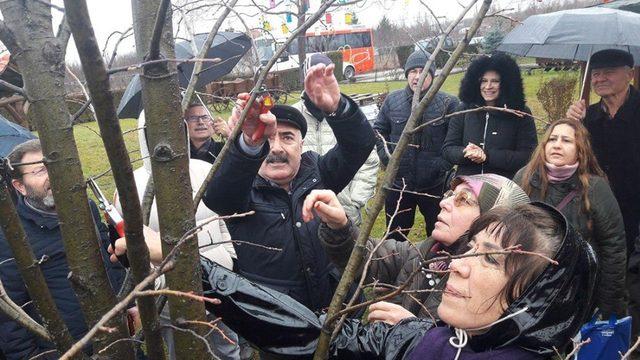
20,151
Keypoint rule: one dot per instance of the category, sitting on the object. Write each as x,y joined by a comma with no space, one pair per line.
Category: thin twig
627,355
518,113
165,265
158,61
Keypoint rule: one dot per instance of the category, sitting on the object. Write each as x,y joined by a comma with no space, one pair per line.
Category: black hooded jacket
557,303
508,140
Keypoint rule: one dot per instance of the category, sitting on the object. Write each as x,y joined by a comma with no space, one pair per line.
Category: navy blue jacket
301,268
422,166
43,233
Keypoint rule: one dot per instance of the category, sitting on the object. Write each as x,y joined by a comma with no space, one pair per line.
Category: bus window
354,40
337,41
366,39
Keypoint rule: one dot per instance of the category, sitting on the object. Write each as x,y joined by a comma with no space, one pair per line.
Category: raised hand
325,204
254,118
322,88
577,111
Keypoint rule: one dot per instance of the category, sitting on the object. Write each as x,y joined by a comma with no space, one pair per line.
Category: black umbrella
575,34
229,47
11,135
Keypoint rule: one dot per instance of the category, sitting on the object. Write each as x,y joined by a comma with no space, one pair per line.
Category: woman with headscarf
500,302
468,197
491,141
564,173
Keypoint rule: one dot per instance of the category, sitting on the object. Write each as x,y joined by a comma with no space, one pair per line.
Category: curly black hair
511,89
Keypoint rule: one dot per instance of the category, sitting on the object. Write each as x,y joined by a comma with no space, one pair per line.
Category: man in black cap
614,125
273,180
422,167
320,138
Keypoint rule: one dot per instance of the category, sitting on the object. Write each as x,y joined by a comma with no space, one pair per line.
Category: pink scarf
560,173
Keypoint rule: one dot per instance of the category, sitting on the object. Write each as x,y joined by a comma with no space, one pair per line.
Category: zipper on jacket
484,140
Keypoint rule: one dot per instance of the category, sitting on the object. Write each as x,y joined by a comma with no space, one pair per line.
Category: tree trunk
95,72
169,153
302,41
31,273
28,33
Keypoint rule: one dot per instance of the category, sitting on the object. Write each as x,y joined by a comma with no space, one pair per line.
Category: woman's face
457,212
490,87
473,296
560,149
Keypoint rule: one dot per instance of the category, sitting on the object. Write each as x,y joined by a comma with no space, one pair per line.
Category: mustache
276,158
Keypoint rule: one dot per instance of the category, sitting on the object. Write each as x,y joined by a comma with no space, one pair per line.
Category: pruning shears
112,216
263,97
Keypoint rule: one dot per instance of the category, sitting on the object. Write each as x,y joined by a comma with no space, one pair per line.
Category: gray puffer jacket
606,235
422,166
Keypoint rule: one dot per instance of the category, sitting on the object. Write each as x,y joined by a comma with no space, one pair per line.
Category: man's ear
19,186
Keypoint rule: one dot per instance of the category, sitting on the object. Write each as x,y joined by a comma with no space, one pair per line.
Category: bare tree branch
15,313
166,265
64,34
30,271
418,108
186,99
161,16
263,75
98,81
13,88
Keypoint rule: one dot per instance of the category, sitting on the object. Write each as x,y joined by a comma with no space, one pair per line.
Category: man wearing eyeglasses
37,211
201,128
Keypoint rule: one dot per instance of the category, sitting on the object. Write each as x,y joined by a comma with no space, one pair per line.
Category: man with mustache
269,174
201,128
37,211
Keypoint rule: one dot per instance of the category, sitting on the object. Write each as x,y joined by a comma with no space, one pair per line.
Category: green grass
94,160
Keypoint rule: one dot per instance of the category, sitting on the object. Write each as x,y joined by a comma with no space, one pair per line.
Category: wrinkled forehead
196,110
286,128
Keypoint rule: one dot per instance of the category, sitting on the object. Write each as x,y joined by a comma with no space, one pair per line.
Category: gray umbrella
229,47
575,34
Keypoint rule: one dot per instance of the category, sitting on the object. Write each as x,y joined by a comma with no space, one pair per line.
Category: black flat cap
610,58
292,116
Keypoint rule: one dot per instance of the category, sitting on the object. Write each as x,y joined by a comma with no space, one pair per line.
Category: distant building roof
628,5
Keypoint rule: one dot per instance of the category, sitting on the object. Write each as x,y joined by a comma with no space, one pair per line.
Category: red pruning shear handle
266,103
112,216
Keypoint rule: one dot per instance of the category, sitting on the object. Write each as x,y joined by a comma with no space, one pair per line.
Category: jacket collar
632,100
41,219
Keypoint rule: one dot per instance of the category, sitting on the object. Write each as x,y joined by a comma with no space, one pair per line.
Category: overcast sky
115,15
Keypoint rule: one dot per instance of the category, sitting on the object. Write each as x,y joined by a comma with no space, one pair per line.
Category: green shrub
336,57
403,53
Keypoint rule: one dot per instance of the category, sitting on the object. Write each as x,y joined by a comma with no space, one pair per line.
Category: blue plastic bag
608,338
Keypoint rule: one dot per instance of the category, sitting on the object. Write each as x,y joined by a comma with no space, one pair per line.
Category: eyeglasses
460,198
196,118
41,171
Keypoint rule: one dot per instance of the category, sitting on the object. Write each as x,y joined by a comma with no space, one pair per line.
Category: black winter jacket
606,236
301,268
616,144
43,233
508,141
557,304
208,151
422,167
